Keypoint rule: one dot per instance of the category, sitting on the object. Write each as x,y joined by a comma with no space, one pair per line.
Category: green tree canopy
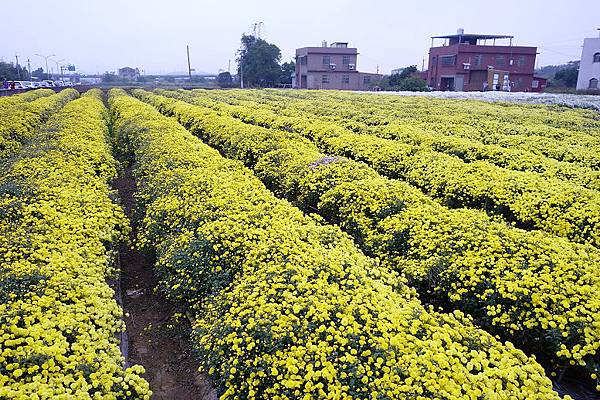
224,79
38,73
287,70
258,62
566,77
407,80
9,72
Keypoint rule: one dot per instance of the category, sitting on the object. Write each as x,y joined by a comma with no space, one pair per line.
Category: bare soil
154,338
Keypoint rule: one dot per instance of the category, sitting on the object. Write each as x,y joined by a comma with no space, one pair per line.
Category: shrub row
407,132
529,201
479,118
535,289
58,232
23,97
20,119
294,310
574,141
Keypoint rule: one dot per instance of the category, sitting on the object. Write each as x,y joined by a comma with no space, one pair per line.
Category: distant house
128,73
589,67
473,62
331,67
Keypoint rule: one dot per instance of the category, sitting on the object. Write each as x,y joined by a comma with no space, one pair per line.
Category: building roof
473,36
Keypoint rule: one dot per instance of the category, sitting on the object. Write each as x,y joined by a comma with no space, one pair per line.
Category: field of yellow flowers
325,245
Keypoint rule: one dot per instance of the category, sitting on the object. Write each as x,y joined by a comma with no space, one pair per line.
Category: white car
19,84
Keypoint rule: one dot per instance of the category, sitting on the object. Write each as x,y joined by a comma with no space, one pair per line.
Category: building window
478,60
346,60
324,78
303,60
345,78
597,57
366,80
593,83
535,84
500,61
448,61
326,60
521,61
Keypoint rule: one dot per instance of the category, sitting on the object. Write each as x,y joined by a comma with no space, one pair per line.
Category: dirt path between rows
154,339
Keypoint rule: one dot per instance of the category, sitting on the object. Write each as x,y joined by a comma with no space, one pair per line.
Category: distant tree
566,77
224,79
288,69
408,72
258,62
9,72
413,84
109,77
407,80
549,71
38,73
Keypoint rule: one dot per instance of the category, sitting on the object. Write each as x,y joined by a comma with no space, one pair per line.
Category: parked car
18,84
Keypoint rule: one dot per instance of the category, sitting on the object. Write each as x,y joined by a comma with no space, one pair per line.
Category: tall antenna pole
229,66
189,65
17,66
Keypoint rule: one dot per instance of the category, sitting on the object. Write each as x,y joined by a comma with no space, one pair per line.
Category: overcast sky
103,35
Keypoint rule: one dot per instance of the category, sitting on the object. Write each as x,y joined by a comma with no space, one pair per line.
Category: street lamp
46,58
58,66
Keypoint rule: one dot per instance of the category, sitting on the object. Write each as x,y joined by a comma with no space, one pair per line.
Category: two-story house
331,67
472,62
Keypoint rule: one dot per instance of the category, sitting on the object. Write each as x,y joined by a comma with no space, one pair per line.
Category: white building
589,67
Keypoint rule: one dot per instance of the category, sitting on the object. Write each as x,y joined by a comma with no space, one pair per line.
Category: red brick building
471,62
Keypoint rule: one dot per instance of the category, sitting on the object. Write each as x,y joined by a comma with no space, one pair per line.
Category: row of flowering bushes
20,118
467,149
287,307
523,198
537,290
58,232
540,126
23,97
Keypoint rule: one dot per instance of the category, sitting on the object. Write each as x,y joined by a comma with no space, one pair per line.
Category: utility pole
423,65
17,66
241,75
29,67
229,66
377,68
61,68
189,65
